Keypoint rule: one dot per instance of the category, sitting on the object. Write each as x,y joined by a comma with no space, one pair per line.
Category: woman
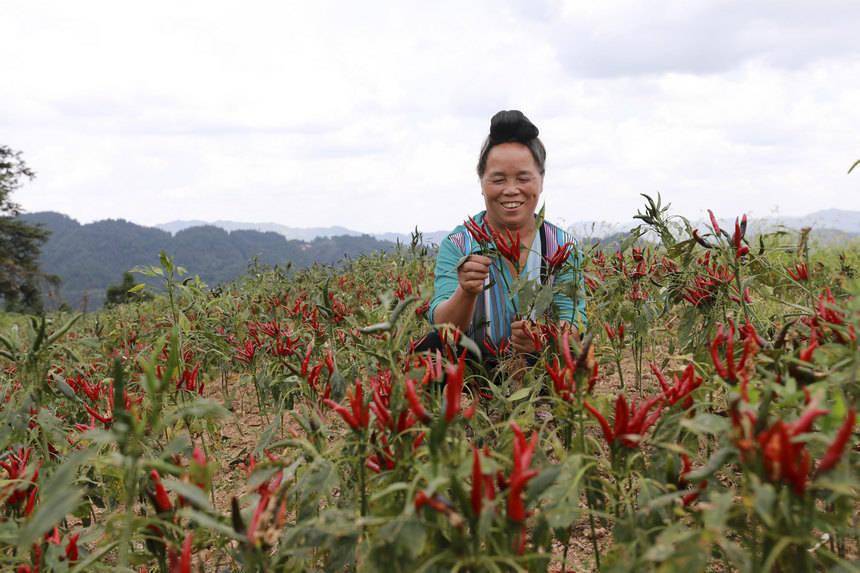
475,296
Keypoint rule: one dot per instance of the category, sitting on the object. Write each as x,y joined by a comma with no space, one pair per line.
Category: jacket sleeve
570,303
445,282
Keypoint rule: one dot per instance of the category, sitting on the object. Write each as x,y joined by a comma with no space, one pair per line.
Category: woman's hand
520,339
472,274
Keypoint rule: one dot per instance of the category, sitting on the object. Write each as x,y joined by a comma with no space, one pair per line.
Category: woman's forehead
508,157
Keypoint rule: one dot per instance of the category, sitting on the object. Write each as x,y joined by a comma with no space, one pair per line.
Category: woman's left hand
520,339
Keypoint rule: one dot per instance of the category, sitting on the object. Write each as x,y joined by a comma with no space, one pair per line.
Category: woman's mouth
512,205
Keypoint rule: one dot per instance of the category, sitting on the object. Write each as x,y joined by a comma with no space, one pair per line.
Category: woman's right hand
473,272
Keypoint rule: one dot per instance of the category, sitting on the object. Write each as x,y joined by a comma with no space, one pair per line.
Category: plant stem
361,476
130,495
588,500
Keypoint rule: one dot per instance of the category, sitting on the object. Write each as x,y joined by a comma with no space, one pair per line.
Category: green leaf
764,498
65,389
63,329
59,497
519,394
705,423
541,216
543,300
541,482
777,550
199,408
470,345
718,459
192,493
210,523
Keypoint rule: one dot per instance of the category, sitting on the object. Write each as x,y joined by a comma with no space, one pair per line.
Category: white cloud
370,115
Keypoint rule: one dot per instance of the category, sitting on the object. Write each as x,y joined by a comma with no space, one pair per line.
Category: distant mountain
834,219
428,238
827,224
90,257
291,233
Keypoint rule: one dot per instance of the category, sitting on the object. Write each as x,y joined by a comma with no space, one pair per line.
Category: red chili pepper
479,232
470,411
837,447
610,332
329,360
569,362
783,459
630,424
306,360
619,425
435,502
521,474
714,223
728,371
804,424
508,246
183,565
246,352
698,238
358,417
419,439
800,272
681,388
559,258
344,413
381,410
53,537
454,387
415,405
737,237
31,499
806,353
561,384
477,483
608,435
72,548
162,499
534,336
372,464
262,504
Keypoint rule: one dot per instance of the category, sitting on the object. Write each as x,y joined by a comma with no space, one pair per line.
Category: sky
370,115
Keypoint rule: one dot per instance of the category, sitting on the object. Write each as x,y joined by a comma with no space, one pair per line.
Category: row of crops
704,419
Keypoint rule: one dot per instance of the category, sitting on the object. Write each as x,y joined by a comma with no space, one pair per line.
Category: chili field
704,419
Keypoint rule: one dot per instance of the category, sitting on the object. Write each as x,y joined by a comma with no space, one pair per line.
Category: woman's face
511,185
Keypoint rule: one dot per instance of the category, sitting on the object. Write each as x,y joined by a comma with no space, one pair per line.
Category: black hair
509,126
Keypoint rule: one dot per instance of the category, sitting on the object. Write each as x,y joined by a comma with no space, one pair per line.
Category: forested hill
92,256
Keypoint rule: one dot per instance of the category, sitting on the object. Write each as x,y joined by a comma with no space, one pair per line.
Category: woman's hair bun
512,125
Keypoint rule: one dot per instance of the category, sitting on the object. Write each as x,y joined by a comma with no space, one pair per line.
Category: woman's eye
524,179
498,181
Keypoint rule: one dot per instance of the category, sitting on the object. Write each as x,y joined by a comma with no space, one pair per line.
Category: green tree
119,294
20,243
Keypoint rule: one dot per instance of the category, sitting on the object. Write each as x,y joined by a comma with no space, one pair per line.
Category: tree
20,243
119,294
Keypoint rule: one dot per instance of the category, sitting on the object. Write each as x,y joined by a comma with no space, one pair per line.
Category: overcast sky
371,114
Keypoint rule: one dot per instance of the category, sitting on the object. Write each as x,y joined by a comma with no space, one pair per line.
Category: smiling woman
473,291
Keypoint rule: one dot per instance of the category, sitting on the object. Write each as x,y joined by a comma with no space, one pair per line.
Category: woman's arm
457,289
457,310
